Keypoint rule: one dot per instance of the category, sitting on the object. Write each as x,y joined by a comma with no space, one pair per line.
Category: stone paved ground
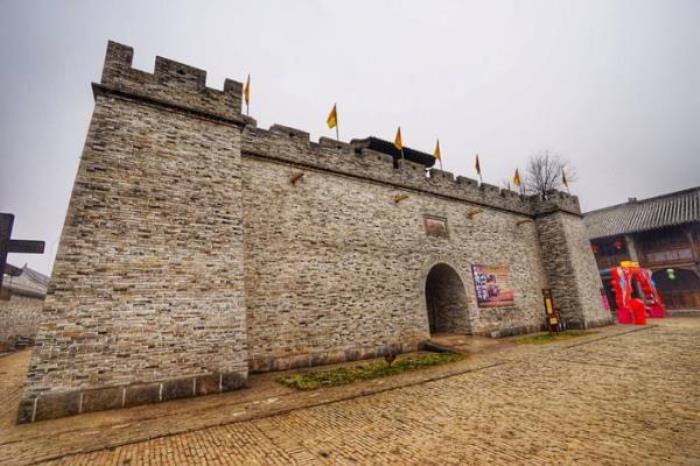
629,398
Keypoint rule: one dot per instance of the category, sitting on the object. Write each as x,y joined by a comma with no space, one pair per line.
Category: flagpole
337,122
246,95
478,169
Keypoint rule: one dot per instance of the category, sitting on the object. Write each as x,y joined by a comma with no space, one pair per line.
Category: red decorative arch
623,279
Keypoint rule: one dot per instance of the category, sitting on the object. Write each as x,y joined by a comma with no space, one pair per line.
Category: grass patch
543,338
370,370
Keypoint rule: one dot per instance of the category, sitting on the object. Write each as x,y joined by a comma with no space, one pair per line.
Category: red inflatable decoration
623,279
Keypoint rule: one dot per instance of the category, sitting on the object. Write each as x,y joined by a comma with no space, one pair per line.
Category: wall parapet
286,144
171,83
180,85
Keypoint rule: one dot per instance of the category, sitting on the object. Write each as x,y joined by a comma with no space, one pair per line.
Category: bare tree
543,173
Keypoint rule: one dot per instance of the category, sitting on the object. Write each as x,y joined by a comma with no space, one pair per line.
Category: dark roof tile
648,214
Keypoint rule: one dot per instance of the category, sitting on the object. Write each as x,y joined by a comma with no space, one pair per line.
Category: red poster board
493,286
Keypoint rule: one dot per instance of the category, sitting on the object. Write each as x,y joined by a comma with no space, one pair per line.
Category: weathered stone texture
174,83
571,270
198,247
148,281
334,263
588,281
19,319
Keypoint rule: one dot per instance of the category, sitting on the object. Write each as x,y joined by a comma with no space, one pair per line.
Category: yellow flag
436,152
332,120
246,90
516,178
398,143
563,178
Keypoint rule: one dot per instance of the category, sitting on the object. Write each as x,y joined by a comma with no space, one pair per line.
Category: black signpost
8,245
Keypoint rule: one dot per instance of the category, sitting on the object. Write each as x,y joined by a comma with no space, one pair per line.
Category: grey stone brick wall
198,247
146,299
333,263
572,273
19,320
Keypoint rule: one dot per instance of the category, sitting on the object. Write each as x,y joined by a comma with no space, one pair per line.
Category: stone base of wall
60,404
268,364
683,312
513,331
15,344
577,325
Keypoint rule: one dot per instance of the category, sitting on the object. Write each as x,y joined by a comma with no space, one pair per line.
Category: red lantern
617,244
596,248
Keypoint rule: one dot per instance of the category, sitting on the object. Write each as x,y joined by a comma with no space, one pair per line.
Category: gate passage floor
618,397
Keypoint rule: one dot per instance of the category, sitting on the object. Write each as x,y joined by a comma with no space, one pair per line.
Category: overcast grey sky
614,86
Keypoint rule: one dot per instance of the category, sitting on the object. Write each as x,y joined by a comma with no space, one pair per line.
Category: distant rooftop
25,281
647,214
387,147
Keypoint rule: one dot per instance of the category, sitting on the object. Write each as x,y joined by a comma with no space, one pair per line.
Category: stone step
465,344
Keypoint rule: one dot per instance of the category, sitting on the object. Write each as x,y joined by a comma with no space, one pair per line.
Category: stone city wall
571,270
198,247
146,298
334,264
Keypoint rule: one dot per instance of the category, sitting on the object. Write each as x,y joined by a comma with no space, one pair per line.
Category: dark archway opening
679,289
446,301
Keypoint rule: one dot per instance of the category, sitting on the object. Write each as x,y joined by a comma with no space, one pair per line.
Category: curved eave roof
648,214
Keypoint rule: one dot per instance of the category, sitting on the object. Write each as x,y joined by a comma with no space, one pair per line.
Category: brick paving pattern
623,399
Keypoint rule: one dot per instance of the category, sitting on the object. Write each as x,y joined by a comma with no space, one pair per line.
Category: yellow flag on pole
246,93
516,178
436,153
246,90
332,120
398,143
563,179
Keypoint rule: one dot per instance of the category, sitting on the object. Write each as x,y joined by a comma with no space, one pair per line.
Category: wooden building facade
662,234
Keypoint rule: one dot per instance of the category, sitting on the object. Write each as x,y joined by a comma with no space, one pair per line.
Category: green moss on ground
552,337
372,370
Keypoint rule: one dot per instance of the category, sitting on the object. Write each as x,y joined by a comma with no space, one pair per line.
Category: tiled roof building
662,233
634,216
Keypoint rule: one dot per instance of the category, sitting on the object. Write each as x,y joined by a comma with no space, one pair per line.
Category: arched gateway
446,301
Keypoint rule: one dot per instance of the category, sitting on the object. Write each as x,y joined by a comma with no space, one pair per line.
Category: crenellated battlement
290,145
183,86
172,83
556,200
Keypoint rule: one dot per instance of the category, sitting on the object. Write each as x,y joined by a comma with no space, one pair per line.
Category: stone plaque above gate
435,226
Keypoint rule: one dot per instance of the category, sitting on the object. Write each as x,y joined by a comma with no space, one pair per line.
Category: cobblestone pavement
630,398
